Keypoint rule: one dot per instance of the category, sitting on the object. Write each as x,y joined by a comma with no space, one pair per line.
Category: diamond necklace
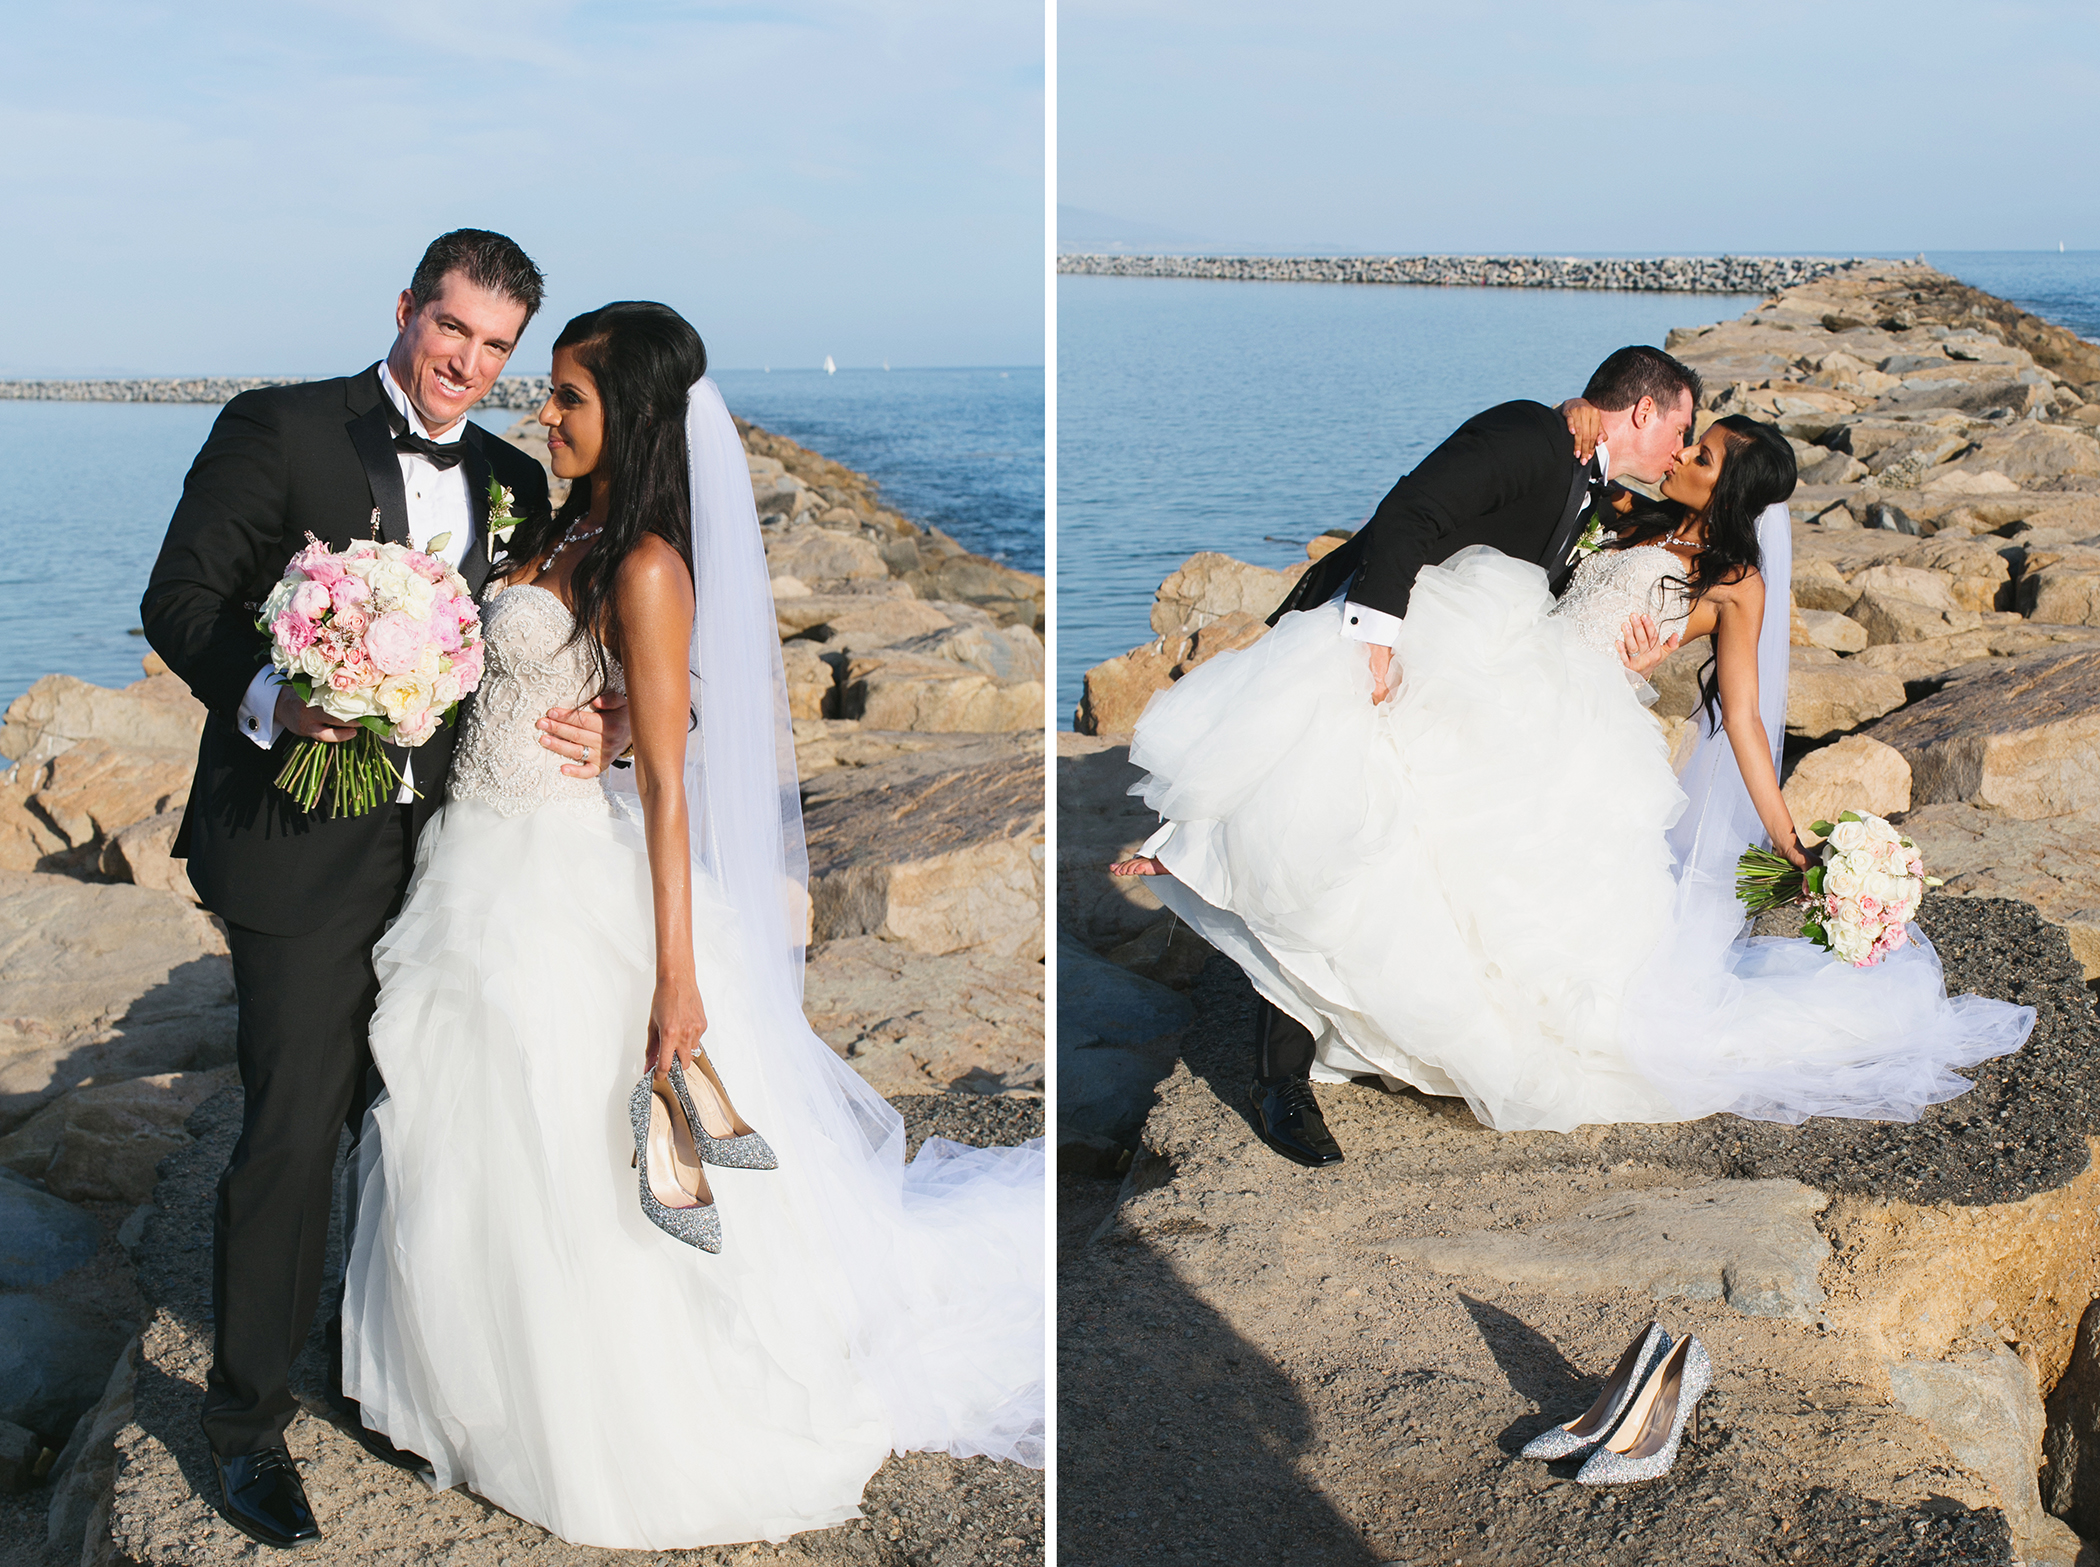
571,537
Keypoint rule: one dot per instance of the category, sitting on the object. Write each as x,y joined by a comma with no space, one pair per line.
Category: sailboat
829,367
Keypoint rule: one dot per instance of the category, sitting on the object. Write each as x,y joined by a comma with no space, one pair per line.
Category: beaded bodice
1610,585
529,665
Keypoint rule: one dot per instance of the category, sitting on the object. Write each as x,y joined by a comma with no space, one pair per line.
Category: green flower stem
356,775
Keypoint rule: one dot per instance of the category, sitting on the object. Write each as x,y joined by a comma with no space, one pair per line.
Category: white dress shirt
1365,624
437,503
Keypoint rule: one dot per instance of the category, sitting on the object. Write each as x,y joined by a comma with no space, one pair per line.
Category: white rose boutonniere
502,516
1594,537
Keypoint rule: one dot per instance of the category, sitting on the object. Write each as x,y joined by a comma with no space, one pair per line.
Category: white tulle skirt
1468,888
511,1315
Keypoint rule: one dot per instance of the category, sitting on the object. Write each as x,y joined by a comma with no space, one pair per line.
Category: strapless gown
511,1315
1463,888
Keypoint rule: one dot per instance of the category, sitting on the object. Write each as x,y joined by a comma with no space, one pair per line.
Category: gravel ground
920,1509
1246,1373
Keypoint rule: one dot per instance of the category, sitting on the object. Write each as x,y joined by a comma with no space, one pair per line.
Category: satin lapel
373,436
1559,567
474,565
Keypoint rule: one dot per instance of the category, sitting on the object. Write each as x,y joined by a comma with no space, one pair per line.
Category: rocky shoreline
916,684
1909,1316
1664,274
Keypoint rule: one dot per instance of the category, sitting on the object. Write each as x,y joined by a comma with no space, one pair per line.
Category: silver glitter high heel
1646,1442
675,1197
724,1137
1587,1429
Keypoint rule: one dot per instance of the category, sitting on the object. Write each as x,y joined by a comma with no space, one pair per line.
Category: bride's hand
1585,424
1383,676
676,1021
1642,648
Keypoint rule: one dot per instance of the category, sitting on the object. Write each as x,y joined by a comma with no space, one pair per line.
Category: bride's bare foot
1138,865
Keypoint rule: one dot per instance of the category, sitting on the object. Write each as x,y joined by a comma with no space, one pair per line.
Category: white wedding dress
1475,888
511,1315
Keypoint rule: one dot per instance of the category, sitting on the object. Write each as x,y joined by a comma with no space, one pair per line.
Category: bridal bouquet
379,636
1859,900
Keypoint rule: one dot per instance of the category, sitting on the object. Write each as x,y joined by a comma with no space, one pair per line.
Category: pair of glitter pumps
683,1120
1638,1421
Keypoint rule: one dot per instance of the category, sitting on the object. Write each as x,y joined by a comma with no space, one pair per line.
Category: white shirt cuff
1361,623
258,715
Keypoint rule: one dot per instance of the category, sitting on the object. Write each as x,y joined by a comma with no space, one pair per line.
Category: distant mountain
1080,229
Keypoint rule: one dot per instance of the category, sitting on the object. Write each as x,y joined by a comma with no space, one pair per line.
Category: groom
1505,478
385,454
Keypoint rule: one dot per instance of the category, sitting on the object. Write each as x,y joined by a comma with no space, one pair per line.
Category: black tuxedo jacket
279,464
1507,477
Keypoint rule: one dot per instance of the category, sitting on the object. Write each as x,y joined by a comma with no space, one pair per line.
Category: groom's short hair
1637,372
487,260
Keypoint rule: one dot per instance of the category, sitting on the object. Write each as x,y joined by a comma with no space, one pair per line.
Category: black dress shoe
1287,1117
264,1499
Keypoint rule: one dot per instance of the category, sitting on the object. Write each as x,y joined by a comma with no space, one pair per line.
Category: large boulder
1010,597
857,621
1856,774
104,982
891,689
2065,593
2021,736
1209,586
941,851
54,1362
811,553
1098,822
1118,690
2033,454
1116,1038
42,1237
156,713
1819,585
914,1023
1887,618
1010,655
94,789
2053,864
105,1142
1919,586
143,854
1829,696
1826,629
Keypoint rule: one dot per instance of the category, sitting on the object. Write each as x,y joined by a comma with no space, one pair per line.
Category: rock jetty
916,671
1665,274
1903,1310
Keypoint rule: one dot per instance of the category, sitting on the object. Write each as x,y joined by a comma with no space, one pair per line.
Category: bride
724,1341
1493,885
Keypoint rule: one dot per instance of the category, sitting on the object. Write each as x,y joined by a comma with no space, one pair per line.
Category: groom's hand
1383,676
1642,646
303,718
589,736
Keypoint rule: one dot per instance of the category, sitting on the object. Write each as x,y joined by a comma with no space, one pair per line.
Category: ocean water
1247,417
81,519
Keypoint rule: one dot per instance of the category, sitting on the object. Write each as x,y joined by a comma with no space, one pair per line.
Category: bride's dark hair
645,358
1758,469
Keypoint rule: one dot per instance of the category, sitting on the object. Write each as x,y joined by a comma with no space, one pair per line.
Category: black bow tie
440,455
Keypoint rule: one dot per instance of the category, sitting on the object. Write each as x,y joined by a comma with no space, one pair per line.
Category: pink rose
318,564
444,630
466,664
415,730
395,642
349,593
428,567
293,632
310,599
1871,907
351,623
344,677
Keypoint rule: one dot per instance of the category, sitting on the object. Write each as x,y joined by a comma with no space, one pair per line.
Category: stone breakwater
915,674
512,392
1665,274
1936,1333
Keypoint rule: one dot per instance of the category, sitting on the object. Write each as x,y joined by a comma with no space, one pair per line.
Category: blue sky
1626,125
244,188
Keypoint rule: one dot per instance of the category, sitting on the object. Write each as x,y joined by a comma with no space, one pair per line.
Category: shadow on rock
1178,1438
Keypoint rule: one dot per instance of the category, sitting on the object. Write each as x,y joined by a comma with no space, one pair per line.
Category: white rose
402,696
444,691
312,663
1846,837
1881,832
1841,880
